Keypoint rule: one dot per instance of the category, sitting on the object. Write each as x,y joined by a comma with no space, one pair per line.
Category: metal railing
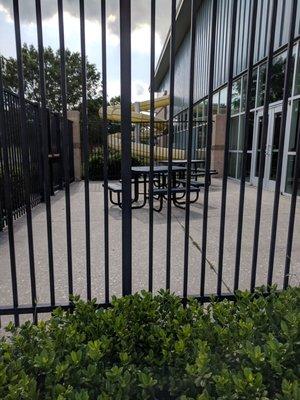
141,147
13,144
125,140
11,114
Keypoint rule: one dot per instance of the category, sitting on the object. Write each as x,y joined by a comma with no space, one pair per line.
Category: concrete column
74,116
218,143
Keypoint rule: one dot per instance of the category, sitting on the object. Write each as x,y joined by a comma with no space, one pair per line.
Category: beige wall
218,142
74,116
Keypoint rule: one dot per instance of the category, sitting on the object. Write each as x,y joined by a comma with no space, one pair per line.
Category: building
224,8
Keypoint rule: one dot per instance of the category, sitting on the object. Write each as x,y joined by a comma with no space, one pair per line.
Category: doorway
272,146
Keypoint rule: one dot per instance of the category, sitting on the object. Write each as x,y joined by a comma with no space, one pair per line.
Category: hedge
113,165
151,347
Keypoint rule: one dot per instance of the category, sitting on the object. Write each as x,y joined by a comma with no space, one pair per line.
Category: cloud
140,39
140,12
139,91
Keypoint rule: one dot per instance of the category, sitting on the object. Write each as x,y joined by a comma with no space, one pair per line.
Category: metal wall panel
222,43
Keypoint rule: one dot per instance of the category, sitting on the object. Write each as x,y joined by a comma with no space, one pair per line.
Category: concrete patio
140,245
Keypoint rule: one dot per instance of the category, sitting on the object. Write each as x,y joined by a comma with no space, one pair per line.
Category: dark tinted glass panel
290,175
276,90
205,104
275,145
258,146
242,132
250,135
232,165
236,97
222,101
294,124
248,166
261,85
215,103
234,130
253,88
297,80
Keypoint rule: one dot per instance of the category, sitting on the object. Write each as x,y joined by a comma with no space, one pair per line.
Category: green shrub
113,165
151,347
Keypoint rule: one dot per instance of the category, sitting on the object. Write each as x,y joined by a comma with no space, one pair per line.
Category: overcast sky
140,35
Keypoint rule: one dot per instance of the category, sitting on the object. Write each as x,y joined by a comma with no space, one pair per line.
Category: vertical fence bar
105,149
152,71
125,46
8,202
193,17
290,235
171,140
85,136
226,147
208,143
251,45
262,157
45,146
287,81
65,140
25,151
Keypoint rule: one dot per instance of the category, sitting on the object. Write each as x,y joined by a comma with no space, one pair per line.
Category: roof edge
182,26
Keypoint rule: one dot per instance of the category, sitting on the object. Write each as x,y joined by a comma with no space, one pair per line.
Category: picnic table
183,162
141,176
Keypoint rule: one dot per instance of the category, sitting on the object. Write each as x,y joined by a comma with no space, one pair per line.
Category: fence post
74,116
218,143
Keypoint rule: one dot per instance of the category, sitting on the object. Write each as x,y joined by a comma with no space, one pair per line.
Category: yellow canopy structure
114,115
114,112
158,103
141,149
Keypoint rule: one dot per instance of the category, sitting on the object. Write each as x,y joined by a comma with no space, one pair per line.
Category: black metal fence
140,146
125,141
12,145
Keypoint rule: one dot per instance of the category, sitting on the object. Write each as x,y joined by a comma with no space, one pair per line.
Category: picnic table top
162,169
177,161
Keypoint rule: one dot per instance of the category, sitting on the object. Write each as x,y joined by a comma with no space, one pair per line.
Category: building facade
223,21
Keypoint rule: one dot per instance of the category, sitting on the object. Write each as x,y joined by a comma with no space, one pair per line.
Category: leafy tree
52,74
94,122
115,100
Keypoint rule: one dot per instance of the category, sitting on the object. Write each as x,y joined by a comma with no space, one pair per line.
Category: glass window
241,132
232,165
248,166
236,97
205,106
294,125
261,85
290,175
277,81
253,88
222,101
252,93
297,78
215,103
250,132
234,130
258,150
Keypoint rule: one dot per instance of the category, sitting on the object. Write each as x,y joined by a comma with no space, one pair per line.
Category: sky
140,35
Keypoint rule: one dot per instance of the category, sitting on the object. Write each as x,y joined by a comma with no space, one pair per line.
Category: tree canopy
53,77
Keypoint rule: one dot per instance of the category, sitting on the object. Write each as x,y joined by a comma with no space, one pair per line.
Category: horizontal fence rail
166,160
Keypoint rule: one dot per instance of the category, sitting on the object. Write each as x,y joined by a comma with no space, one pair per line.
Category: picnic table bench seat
196,184
116,187
162,192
